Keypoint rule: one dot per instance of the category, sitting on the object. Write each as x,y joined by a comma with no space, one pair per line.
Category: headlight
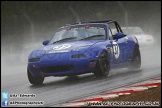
37,53
78,56
83,48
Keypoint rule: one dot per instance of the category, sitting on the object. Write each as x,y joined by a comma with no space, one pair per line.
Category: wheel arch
101,50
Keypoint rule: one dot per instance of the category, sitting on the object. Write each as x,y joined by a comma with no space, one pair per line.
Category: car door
119,46
120,50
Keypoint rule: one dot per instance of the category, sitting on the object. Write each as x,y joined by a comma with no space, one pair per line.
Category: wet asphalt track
58,90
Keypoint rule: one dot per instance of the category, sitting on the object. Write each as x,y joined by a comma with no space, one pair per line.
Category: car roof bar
105,21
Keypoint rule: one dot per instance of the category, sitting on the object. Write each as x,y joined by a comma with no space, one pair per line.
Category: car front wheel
102,66
34,80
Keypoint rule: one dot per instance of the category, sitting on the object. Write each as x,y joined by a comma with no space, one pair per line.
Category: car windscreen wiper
65,39
91,37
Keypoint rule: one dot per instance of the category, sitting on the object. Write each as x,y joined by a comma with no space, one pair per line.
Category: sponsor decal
111,50
126,37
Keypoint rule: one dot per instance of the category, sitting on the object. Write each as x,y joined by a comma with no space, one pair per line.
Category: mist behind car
143,38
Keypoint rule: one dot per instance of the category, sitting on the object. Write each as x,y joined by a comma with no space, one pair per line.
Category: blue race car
83,48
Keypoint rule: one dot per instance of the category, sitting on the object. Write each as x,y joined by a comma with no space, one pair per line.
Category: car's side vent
34,59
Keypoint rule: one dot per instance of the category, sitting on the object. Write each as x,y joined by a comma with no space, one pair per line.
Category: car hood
67,46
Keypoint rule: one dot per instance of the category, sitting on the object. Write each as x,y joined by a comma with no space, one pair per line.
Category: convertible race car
83,48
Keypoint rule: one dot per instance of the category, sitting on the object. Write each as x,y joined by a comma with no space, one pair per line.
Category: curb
144,85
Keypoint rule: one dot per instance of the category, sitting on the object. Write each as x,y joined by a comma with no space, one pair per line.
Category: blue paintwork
45,42
119,35
90,48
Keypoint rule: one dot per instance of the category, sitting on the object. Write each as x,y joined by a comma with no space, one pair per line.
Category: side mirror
119,35
45,42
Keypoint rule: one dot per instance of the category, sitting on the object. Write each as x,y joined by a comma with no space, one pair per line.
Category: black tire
136,59
102,66
34,80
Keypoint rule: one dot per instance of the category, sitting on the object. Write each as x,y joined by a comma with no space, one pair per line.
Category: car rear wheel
34,80
136,59
102,66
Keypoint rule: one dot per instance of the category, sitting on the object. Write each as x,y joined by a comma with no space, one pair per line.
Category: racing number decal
61,47
116,50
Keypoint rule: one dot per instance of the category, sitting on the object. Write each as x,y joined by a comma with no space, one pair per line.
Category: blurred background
25,24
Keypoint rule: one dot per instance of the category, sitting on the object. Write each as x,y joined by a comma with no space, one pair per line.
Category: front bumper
63,67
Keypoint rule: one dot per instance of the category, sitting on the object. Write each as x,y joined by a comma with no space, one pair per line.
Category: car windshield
79,33
132,30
